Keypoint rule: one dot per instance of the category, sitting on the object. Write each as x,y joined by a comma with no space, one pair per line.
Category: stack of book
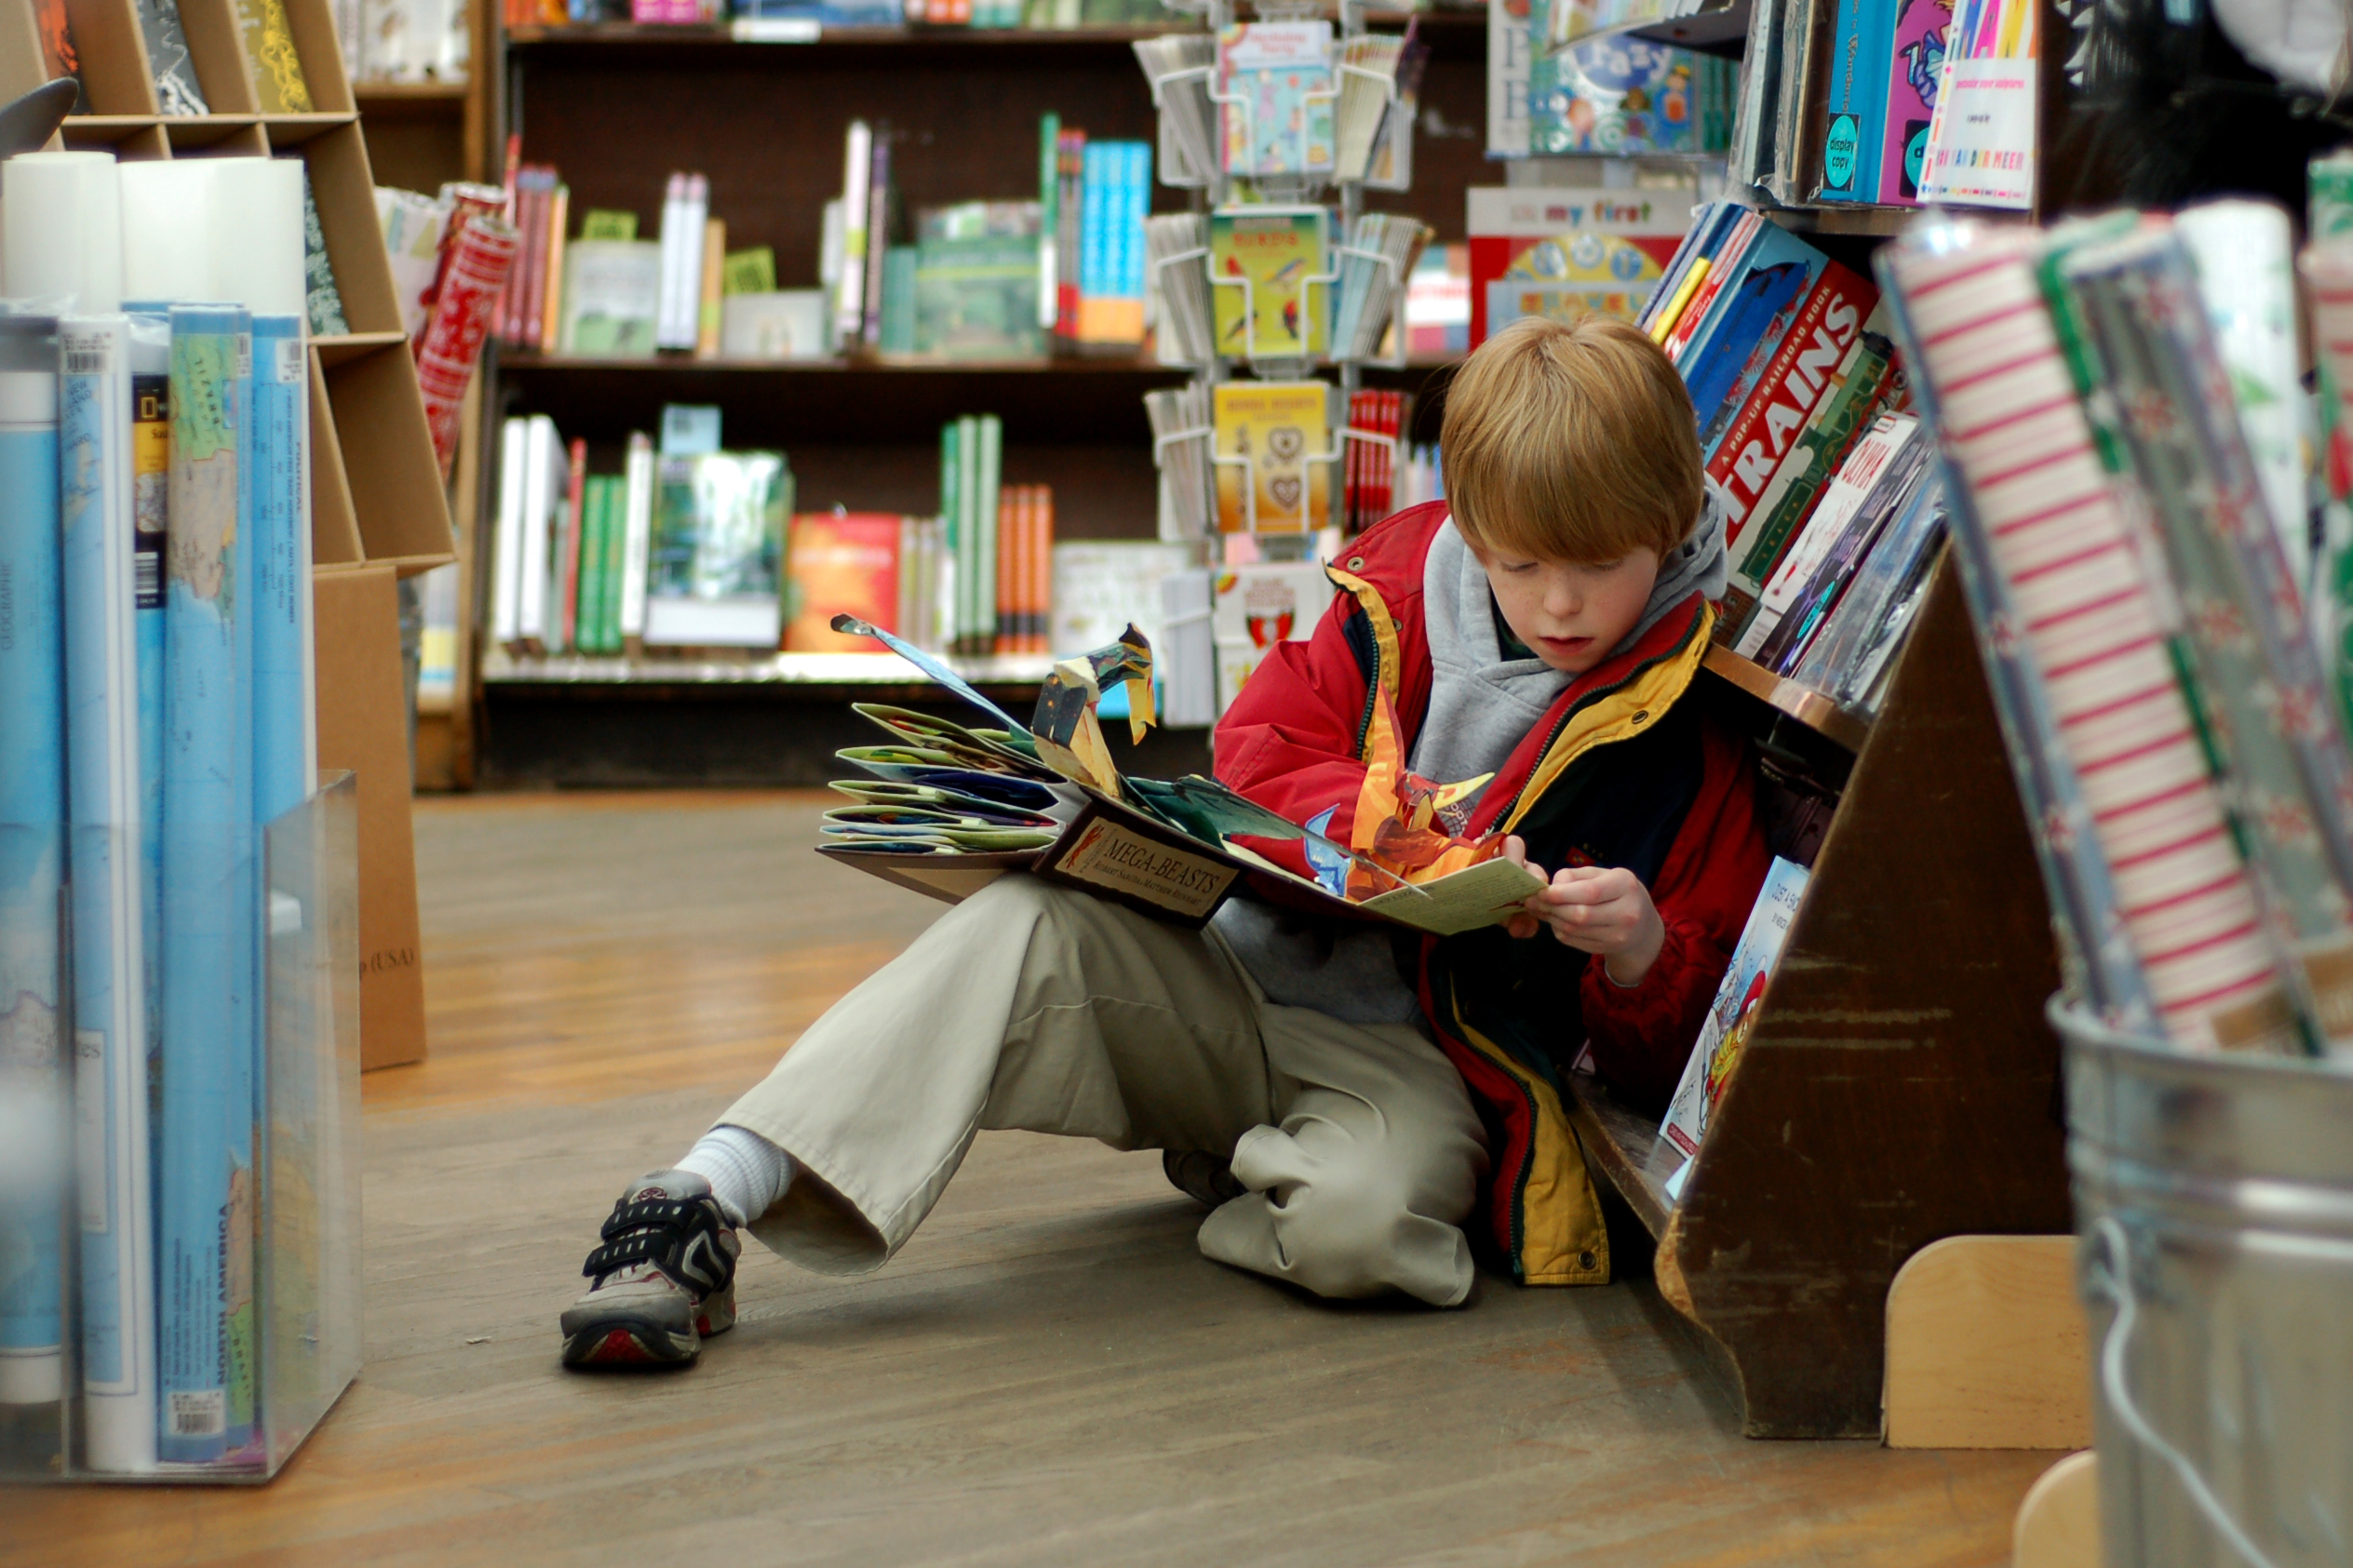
1805,433
1891,102
683,549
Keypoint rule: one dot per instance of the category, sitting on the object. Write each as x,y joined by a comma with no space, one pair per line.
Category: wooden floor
1049,1373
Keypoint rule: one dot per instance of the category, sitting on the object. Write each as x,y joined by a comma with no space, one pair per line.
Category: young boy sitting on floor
1344,1099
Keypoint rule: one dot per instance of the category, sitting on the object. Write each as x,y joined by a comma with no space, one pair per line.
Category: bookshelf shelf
500,668
1803,704
681,364
597,35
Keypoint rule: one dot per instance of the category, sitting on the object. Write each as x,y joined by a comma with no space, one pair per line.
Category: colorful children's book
1274,456
1760,302
277,70
715,562
1272,288
1914,71
1725,1030
1275,96
1621,96
841,563
1855,104
1563,253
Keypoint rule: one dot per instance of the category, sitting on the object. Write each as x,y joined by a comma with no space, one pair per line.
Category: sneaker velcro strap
650,1213
646,1246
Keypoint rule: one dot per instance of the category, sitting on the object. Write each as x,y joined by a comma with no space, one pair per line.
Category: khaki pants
1034,1007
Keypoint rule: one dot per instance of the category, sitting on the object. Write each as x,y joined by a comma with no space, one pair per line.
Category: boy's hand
1601,910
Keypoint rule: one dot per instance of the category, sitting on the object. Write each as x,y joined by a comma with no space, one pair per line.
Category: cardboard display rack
376,500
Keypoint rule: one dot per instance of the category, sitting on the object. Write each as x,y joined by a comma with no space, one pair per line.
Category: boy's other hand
1602,910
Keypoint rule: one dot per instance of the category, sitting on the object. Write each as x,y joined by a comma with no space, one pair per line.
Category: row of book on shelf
1618,96
261,50
1034,15
158,708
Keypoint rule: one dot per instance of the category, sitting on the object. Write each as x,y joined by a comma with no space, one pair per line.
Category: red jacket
1616,773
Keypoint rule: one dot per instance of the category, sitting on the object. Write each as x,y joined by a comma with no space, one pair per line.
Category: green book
1049,208
975,296
967,530
605,617
987,469
1805,470
899,270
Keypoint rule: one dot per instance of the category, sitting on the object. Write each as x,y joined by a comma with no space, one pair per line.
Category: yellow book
713,287
277,70
1284,429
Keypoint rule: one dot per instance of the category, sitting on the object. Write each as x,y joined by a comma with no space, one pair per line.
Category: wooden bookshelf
1803,704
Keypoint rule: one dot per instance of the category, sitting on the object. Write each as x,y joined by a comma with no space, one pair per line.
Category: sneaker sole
629,1341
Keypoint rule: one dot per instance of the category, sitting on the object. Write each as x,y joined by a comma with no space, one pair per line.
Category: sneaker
663,1280
1206,1178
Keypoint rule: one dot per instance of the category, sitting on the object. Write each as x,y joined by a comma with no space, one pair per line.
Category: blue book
151,488
284,739
104,843
1776,269
1856,102
31,870
1094,213
210,899
1139,203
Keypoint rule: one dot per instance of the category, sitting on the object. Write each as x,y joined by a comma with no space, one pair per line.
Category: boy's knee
1356,1222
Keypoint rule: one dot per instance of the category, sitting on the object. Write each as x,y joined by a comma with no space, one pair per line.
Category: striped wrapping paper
2070,598
2328,274
2136,303
461,315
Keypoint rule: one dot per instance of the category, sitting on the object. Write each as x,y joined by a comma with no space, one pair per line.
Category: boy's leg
1026,1006
1367,1182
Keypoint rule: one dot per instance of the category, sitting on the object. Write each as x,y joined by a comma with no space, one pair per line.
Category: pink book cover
1920,28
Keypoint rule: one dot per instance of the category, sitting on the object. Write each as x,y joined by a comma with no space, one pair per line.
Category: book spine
878,240
1005,637
551,307
1049,217
204,1320
532,596
988,466
637,534
32,768
1822,532
576,500
151,471
857,158
1072,211
1855,104
714,287
1094,213
285,737
507,557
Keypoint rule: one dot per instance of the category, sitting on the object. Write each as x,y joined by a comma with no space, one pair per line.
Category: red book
1793,384
841,563
568,568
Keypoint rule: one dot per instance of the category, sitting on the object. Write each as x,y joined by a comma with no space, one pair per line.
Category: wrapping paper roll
255,229
413,226
461,315
167,218
464,203
2246,276
2169,412
2129,817
63,218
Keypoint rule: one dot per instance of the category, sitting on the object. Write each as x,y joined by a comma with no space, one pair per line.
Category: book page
1484,895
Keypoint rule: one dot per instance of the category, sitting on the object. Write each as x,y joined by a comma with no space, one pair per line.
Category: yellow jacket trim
1563,1239
1618,716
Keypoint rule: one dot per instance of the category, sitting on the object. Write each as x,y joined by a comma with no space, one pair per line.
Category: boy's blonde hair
1571,441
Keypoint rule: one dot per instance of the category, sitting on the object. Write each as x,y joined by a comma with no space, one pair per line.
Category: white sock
748,1174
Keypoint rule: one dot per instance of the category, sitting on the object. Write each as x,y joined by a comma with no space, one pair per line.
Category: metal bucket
2214,1203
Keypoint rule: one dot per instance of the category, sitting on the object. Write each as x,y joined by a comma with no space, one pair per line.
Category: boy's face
1571,613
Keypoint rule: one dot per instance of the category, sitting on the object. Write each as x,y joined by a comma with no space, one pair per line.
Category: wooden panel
216,49
334,523
21,67
2059,1523
1900,1084
402,510
1987,1347
129,141
112,55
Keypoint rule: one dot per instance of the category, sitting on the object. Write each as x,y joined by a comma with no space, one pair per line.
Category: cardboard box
363,725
